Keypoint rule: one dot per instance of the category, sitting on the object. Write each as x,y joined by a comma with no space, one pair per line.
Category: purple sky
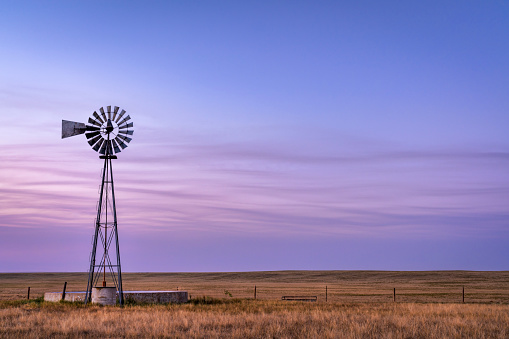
269,135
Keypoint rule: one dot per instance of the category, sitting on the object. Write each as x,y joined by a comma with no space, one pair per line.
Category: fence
337,293
328,286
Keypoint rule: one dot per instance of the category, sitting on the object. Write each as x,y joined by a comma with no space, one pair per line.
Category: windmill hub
109,127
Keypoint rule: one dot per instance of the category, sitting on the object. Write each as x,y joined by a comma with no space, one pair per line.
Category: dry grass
343,286
257,319
359,306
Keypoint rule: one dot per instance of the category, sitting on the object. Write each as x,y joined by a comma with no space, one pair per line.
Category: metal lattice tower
107,133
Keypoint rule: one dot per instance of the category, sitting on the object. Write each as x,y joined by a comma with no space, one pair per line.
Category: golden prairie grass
359,306
236,318
342,286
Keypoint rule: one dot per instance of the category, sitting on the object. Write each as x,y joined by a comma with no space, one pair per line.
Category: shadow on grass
7,303
205,300
129,302
40,303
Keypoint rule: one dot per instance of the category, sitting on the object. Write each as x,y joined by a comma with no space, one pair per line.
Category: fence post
28,294
394,297
255,292
463,294
325,293
63,292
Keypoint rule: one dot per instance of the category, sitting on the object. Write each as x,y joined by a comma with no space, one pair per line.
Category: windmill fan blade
126,132
127,118
94,140
126,126
115,110
108,109
92,134
103,114
93,122
120,116
120,142
92,128
109,149
115,146
123,137
103,147
98,145
98,117
70,128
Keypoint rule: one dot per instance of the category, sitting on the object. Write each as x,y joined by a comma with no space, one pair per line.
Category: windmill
107,133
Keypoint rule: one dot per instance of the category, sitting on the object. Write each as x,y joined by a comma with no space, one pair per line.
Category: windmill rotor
106,132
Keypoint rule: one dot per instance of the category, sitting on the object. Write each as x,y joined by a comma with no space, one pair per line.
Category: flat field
342,286
359,305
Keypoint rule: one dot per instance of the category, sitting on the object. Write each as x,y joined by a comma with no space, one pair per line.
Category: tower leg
119,270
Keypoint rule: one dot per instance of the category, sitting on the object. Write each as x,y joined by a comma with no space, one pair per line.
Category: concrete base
104,295
69,296
149,297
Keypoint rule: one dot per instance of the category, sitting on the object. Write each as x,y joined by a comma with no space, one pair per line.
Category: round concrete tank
104,295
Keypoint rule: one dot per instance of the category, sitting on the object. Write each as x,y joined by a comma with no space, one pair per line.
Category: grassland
342,286
242,318
359,306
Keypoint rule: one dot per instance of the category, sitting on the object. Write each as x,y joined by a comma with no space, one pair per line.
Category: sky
268,135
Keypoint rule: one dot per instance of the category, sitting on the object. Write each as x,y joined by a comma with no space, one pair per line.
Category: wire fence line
328,293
